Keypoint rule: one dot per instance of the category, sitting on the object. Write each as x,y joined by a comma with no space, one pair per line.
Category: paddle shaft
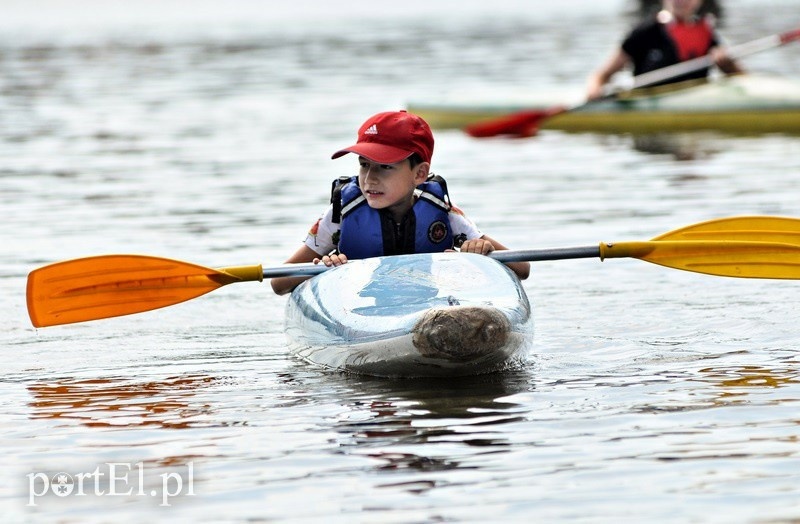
538,255
741,253
695,64
521,255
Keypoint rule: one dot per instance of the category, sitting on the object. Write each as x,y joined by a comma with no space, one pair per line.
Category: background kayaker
676,34
394,153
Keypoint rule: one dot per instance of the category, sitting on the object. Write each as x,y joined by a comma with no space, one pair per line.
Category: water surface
203,132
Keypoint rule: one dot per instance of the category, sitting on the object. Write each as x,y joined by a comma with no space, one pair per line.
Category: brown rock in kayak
460,333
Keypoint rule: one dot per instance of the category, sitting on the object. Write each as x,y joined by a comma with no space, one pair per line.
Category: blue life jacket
366,232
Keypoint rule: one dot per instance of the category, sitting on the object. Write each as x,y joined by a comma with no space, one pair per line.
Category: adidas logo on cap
371,130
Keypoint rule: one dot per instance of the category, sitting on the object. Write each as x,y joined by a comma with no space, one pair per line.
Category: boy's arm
283,285
321,237
485,245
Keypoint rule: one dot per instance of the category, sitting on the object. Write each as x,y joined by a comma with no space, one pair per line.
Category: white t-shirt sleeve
320,236
462,225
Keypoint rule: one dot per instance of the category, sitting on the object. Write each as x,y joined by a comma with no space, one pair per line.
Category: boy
676,34
394,205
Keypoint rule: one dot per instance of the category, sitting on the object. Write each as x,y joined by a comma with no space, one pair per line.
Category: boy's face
390,185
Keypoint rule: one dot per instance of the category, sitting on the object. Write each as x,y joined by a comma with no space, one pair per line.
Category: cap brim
380,153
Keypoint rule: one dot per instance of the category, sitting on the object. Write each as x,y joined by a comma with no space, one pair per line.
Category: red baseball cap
392,137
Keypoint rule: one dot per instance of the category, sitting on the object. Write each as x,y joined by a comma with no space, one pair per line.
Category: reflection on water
401,426
118,402
430,416
679,146
740,381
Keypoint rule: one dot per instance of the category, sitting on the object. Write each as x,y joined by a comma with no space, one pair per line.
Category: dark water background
202,131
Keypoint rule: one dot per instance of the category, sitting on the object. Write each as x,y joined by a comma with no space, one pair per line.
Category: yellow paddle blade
783,230
114,285
729,258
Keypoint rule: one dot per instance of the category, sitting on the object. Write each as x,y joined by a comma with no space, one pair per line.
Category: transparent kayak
442,314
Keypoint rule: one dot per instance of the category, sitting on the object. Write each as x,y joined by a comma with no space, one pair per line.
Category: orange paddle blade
522,124
114,285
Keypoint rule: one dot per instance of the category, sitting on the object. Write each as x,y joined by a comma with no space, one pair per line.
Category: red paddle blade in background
520,125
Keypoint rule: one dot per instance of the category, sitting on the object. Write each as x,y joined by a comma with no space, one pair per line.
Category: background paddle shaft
681,68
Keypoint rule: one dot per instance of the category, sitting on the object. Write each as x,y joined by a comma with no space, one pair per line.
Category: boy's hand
477,245
332,260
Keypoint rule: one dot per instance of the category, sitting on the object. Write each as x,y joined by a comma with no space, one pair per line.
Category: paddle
526,123
113,285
